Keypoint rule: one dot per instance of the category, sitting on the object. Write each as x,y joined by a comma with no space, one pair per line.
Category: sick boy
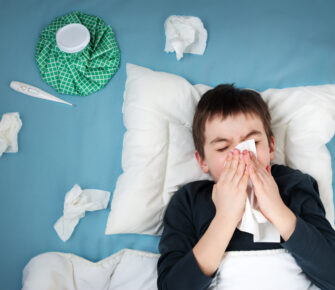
200,223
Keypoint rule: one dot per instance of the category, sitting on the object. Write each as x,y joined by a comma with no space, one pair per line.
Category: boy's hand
265,187
229,193
269,199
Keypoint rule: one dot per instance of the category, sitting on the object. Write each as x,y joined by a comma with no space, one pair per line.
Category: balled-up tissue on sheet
185,34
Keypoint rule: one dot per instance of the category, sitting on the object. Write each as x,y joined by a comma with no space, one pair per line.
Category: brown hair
226,100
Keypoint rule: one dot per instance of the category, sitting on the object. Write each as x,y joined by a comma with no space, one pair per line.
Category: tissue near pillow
158,151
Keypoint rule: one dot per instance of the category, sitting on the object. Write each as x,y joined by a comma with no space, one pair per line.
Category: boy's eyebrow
251,133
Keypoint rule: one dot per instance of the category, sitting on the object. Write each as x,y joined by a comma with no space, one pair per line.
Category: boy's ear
202,162
272,148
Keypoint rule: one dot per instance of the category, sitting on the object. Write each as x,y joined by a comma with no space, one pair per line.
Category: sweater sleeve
177,266
312,243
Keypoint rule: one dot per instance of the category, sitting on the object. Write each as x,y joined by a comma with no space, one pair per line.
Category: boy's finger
253,175
239,172
244,180
259,170
254,162
225,174
228,160
253,157
235,160
234,164
247,158
230,167
262,172
226,167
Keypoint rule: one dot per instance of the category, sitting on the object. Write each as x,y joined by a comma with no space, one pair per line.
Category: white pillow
158,151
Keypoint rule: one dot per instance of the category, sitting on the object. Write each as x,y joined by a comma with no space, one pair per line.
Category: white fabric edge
255,252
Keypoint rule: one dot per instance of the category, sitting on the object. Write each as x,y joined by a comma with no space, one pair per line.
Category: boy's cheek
222,160
264,162
221,165
217,169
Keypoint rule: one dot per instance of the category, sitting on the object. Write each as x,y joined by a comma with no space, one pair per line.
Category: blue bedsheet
260,44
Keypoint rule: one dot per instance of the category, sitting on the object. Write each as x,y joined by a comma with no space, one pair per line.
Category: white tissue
10,126
253,221
185,34
77,202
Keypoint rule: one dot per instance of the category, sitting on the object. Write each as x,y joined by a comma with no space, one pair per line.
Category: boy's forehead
235,126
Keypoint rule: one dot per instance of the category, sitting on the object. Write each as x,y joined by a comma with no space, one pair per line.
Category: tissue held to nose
253,221
10,126
185,34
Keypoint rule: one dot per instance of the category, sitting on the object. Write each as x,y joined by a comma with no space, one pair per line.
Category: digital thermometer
35,92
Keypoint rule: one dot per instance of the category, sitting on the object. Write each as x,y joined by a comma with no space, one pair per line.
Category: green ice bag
83,72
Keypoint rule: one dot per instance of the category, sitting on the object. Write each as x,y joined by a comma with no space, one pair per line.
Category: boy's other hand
265,187
230,192
269,199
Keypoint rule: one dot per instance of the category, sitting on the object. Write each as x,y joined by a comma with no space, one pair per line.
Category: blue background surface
258,44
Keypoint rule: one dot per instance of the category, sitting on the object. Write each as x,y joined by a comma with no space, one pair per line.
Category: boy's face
222,136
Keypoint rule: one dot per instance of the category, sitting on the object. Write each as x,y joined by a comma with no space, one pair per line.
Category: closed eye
222,149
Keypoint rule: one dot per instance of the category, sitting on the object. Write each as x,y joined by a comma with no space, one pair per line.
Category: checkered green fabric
80,73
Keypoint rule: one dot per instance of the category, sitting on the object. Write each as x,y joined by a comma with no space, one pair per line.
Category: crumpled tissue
185,34
10,126
253,221
77,202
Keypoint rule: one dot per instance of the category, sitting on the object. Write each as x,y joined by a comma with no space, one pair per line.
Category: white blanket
136,270
260,270
127,269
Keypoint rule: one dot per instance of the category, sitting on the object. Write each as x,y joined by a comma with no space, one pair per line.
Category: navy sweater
191,210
